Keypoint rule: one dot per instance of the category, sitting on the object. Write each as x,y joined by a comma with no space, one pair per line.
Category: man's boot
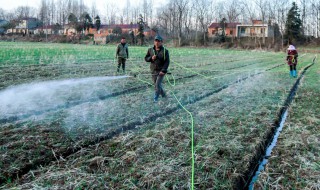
163,94
156,97
294,73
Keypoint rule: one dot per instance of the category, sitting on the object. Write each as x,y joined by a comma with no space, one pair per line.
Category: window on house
243,30
252,31
262,30
213,32
231,32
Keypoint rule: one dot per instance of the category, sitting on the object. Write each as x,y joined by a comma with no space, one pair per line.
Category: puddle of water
269,150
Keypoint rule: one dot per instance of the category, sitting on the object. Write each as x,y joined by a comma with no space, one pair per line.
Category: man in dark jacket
159,58
122,53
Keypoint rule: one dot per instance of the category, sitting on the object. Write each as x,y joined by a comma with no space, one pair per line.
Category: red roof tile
228,25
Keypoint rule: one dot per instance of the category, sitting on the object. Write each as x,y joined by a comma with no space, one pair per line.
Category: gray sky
100,4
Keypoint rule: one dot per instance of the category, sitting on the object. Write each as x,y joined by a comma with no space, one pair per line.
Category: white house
256,29
25,26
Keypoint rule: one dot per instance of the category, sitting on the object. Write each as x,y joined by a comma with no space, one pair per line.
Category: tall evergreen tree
293,31
222,35
87,21
98,22
141,24
72,19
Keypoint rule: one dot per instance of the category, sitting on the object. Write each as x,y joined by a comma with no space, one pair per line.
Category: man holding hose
159,59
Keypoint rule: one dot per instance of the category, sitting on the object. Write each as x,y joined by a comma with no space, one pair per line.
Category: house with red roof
254,29
230,29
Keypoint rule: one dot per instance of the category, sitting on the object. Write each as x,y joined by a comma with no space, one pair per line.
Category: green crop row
233,98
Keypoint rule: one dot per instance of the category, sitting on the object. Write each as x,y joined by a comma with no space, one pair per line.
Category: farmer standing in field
159,58
292,59
122,53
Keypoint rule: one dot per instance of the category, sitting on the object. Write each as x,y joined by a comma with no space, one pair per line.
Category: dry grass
158,155
295,161
229,126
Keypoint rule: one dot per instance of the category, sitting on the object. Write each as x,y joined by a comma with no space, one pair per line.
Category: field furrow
69,122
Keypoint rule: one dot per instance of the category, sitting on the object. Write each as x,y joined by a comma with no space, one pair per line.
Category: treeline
185,20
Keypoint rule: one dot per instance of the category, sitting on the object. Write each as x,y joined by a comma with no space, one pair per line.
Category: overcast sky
9,5
100,4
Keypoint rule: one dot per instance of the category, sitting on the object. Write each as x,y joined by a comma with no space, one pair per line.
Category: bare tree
126,11
262,6
145,8
25,12
250,11
317,7
315,18
204,15
94,10
151,12
220,11
303,15
233,11
163,20
75,8
43,11
2,13
111,10
135,14
66,10
10,16
82,8
182,6
169,16
282,8
178,18
188,23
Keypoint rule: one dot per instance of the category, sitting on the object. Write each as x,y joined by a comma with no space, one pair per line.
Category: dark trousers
293,67
121,61
157,81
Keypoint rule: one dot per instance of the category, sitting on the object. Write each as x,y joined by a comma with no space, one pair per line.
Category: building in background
25,26
215,29
256,29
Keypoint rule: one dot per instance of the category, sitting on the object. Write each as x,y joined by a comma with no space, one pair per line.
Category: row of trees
190,19
85,22
180,19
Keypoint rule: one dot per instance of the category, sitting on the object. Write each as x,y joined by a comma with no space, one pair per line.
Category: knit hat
158,38
291,47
